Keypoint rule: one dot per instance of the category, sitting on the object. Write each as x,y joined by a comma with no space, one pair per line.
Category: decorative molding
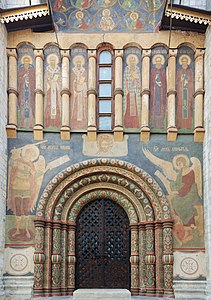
24,14
186,16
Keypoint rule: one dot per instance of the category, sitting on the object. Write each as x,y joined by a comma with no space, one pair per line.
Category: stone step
101,294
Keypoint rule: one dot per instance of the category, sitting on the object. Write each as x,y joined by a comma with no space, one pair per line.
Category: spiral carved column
12,94
39,257
199,96
142,254
71,258
48,253
150,259
63,272
56,258
168,258
134,259
158,255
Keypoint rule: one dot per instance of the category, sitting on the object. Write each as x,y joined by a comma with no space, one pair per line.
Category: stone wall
3,146
207,158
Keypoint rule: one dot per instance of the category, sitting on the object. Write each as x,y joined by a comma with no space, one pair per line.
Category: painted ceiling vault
93,16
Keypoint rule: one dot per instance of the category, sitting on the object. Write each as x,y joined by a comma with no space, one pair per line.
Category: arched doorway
102,246
148,212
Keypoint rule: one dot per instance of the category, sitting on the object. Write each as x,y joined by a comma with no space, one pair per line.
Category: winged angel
182,179
25,175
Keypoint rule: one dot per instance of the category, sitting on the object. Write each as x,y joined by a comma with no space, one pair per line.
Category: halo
174,161
105,10
160,56
78,58
34,151
134,13
52,55
79,12
187,57
26,56
133,56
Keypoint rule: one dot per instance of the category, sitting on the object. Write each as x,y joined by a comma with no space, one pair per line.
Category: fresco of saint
134,22
53,89
182,179
82,4
130,4
152,5
80,22
59,5
26,87
158,89
106,22
132,89
185,91
79,93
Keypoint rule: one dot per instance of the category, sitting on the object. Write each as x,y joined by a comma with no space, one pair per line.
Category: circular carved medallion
18,262
189,265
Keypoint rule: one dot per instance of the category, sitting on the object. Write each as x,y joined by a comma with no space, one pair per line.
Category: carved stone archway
148,212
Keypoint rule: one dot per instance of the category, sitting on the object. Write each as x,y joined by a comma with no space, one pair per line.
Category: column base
199,135
38,132
92,134
65,133
11,131
145,134
172,134
118,134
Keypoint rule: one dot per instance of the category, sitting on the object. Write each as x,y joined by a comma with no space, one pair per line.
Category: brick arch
148,212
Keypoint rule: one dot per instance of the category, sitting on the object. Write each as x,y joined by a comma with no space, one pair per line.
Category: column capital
119,53
146,53
12,52
173,53
65,53
199,53
92,53
39,53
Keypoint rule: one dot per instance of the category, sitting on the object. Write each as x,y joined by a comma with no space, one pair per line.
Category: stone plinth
101,294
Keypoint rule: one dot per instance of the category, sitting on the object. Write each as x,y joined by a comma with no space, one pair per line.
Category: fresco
26,169
185,88
158,88
26,86
132,88
52,81
107,15
176,167
78,115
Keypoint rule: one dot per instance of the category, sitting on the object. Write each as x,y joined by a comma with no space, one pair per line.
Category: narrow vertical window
105,91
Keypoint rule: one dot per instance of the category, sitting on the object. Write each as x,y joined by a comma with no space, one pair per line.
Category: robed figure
158,88
185,91
132,87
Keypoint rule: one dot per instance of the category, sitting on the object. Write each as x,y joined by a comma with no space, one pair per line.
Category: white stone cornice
188,17
24,14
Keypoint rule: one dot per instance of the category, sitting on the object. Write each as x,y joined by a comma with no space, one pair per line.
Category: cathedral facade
105,149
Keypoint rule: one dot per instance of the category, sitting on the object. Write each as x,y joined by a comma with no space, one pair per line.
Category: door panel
102,246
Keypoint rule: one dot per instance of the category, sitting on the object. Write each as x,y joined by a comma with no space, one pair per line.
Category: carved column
142,254
118,94
134,259
199,96
56,259
92,93
171,94
145,130
150,259
65,93
168,258
12,94
39,257
47,264
39,96
63,272
71,258
159,257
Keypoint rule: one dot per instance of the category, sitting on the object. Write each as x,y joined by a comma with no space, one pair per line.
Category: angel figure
182,179
25,176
